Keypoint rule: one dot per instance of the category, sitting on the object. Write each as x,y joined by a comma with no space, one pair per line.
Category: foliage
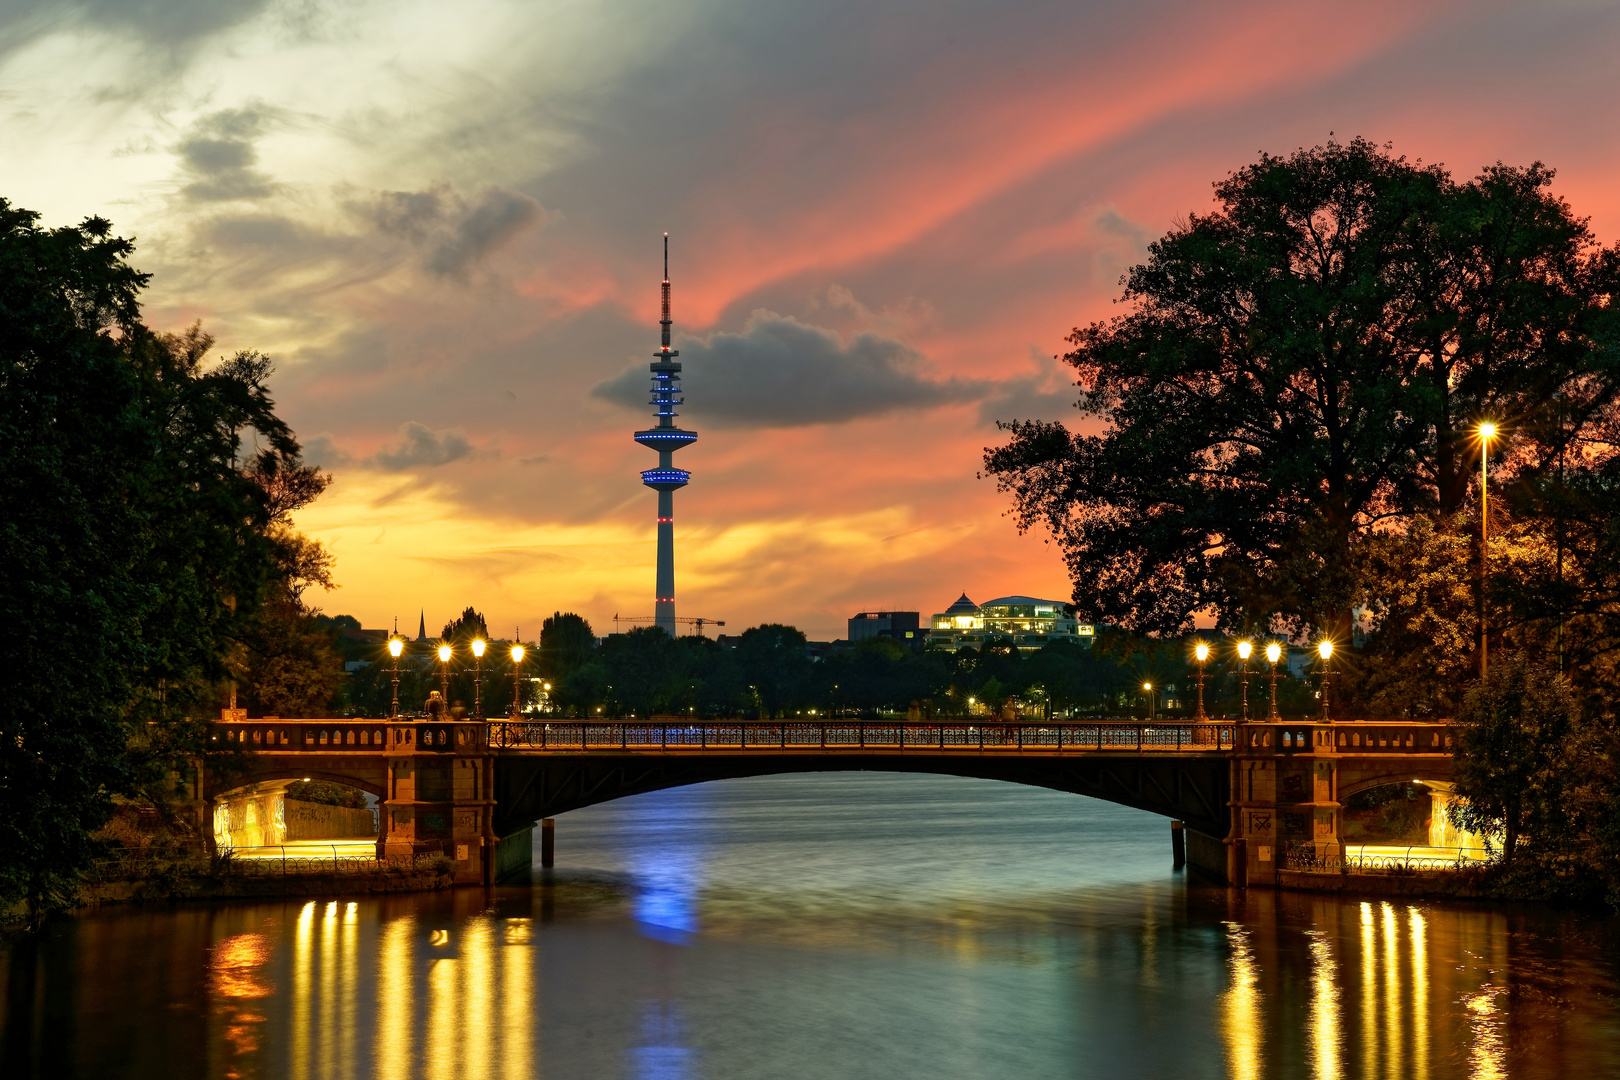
1301,369
322,791
136,539
465,627
1511,766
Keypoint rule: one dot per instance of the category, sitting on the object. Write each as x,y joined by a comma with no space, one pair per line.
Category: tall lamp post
1202,652
1487,432
1148,687
1244,648
478,648
396,646
1273,654
444,673
517,682
1325,651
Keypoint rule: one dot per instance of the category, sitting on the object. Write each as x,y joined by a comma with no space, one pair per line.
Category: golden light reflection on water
439,1048
1326,1043
348,989
1394,1050
477,986
329,992
236,977
303,962
1240,1008
519,1009
1420,993
1485,1055
1369,991
396,1019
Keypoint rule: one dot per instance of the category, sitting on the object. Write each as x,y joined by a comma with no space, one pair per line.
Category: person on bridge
434,707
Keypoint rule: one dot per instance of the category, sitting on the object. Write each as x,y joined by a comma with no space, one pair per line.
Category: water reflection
980,947
1241,1022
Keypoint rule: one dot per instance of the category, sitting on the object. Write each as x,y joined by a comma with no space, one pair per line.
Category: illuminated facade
666,438
1030,623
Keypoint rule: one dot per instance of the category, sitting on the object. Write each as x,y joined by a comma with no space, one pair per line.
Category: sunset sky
444,222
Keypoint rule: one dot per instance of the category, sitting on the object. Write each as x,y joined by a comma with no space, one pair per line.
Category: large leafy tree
134,539
1300,369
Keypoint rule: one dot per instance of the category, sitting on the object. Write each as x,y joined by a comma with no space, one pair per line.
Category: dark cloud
323,450
780,372
1049,394
421,447
452,233
218,153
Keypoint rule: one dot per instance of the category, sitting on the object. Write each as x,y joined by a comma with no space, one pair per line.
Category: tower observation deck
665,438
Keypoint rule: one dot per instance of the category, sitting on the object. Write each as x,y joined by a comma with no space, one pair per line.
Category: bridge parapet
349,736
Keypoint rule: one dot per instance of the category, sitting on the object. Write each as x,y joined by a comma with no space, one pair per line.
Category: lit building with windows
1031,623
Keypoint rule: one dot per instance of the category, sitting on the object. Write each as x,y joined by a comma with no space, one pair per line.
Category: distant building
902,626
1031,623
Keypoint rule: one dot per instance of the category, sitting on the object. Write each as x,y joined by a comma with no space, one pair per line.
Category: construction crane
699,623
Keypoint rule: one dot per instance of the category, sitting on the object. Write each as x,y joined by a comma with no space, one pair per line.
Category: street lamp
1325,651
1148,687
1201,651
1244,648
478,648
444,673
517,681
1273,654
396,646
1487,432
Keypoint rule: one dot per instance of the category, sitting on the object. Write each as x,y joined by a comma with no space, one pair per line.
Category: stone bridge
473,790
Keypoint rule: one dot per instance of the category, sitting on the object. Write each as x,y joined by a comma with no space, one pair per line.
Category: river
825,927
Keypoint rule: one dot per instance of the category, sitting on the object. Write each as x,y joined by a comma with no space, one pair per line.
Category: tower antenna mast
665,438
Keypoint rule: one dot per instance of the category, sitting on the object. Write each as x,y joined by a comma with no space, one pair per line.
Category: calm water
826,926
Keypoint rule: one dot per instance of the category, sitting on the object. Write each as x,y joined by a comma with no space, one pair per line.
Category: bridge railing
857,735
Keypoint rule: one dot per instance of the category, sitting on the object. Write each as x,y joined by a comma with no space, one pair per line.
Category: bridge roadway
474,789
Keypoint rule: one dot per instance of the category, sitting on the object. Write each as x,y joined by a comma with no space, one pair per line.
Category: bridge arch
1193,789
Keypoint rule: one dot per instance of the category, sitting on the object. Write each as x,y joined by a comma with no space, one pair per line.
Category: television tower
666,438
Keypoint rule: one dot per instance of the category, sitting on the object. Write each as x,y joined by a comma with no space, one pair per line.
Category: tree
774,660
136,544
1511,769
567,643
465,627
642,668
1300,371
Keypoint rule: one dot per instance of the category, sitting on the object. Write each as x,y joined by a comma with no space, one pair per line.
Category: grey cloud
323,450
421,447
452,233
1049,394
780,372
219,155
170,23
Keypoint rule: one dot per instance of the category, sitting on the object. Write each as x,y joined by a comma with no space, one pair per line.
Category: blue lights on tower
666,438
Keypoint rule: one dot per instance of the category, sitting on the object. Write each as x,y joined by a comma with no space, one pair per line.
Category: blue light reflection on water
666,866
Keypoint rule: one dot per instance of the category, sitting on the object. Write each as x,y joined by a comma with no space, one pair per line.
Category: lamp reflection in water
1326,1044
520,1012
660,1053
329,992
1369,992
1394,1050
439,1044
1419,928
1485,1018
396,1015
348,990
303,963
1240,1009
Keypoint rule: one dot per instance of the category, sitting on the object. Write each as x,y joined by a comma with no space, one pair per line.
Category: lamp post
1487,432
444,673
1201,651
517,681
478,647
1325,651
1244,648
396,646
1273,654
1148,687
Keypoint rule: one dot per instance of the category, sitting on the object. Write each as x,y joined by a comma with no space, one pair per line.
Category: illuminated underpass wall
254,816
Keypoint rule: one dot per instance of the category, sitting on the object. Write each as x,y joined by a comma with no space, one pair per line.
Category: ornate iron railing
857,735
291,864
1379,864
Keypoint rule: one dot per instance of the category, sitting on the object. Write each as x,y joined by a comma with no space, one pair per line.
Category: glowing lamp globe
444,654
1487,431
1273,652
517,654
1244,649
395,647
1325,649
1201,651
478,647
